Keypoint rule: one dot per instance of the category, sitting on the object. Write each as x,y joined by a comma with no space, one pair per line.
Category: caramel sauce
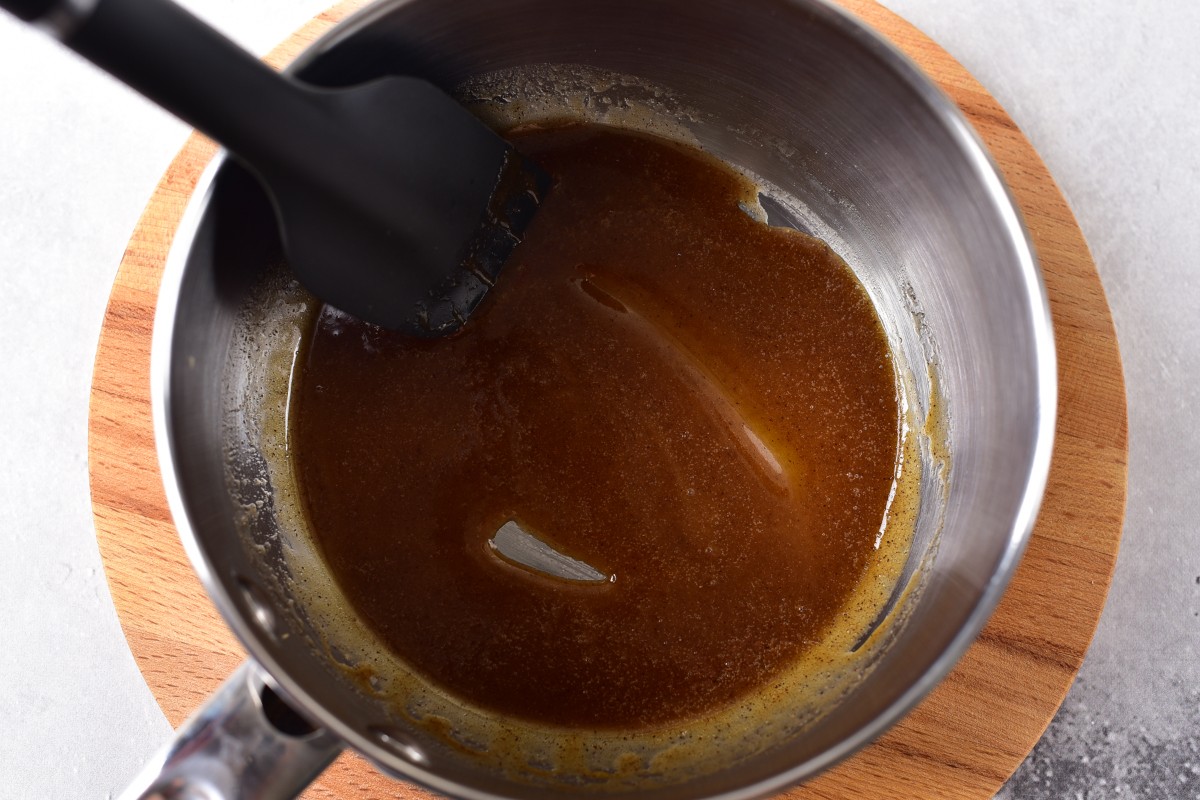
700,407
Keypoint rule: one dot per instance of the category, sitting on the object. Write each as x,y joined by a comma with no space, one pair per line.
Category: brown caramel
700,407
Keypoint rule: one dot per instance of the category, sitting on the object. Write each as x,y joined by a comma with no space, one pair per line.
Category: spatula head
407,224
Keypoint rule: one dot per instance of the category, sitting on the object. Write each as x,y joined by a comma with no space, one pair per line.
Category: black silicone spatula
395,204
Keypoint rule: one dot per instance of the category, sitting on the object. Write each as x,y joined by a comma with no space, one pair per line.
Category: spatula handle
29,10
184,66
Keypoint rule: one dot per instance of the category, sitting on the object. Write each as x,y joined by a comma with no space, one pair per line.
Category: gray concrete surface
1109,93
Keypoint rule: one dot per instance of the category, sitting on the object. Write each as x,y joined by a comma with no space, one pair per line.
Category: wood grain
964,740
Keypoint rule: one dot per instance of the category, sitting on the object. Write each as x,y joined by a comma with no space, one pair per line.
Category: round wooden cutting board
963,741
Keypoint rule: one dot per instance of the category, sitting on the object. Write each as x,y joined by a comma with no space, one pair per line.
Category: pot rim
948,114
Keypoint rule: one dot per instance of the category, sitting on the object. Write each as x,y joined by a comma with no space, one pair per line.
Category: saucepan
850,142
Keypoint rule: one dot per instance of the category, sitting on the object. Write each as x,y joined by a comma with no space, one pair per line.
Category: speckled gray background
1109,93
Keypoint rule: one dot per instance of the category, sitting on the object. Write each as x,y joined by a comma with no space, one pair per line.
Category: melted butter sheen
691,402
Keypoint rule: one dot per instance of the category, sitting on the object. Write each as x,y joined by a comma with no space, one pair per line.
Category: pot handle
244,743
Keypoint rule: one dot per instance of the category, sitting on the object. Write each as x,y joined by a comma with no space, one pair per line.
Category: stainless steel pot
869,155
